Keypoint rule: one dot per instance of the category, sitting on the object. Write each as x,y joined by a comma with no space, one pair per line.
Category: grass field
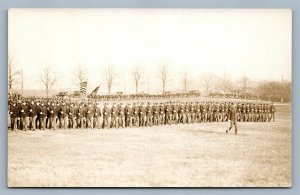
194,155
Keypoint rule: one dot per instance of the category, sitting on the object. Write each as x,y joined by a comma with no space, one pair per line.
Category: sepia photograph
117,97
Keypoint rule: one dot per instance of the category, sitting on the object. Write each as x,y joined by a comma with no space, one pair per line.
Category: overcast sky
252,43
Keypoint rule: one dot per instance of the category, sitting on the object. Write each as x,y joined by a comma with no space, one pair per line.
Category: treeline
275,91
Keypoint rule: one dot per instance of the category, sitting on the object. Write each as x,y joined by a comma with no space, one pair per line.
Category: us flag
83,86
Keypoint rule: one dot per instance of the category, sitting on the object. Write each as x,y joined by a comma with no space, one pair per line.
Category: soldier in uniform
136,120
149,113
42,114
182,113
203,108
251,115
224,112
197,113
52,116
161,120
90,116
209,113
48,104
72,116
142,115
175,110
187,113
168,113
121,115
156,114
128,115
216,112
23,113
106,116
97,116
63,117
32,116
114,116
192,112
13,112
273,110
58,108
79,116
232,117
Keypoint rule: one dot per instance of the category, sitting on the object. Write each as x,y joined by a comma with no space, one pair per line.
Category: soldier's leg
137,121
154,120
235,127
53,122
103,123
145,120
123,122
12,123
43,123
34,123
112,122
30,123
60,122
130,121
126,121
15,123
92,122
98,119
66,122
88,122
26,122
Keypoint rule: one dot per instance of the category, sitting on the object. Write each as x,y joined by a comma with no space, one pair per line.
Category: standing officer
232,117
273,112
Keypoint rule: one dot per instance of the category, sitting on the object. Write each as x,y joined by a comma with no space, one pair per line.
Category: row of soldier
52,115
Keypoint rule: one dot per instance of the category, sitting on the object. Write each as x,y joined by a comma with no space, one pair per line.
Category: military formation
39,114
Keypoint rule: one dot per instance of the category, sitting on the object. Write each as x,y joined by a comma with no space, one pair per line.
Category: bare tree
137,75
80,75
224,84
244,82
48,78
11,74
163,75
185,81
207,82
109,75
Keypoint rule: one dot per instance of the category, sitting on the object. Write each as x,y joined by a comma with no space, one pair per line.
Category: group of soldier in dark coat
35,114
